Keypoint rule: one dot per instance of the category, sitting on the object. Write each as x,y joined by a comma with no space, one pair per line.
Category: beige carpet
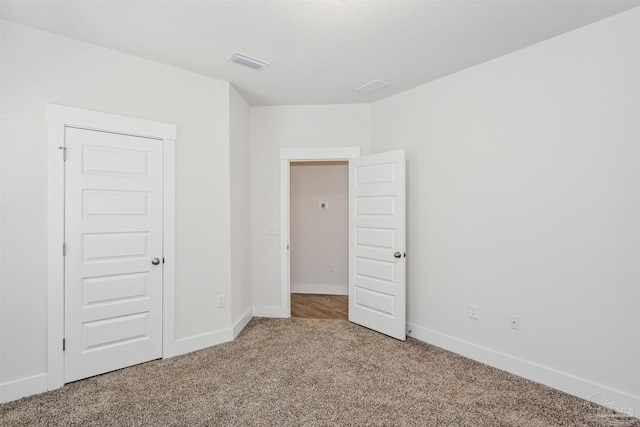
303,372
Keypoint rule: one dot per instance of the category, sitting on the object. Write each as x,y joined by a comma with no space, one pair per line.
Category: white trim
88,119
59,117
315,154
267,311
17,389
55,262
168,247
287,155
242,322
199,342
285,253
320,288
555,379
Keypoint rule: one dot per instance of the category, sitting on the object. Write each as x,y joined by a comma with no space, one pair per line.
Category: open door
377,238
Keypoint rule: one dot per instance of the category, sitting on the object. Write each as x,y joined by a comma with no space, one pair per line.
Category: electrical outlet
221,301
514,322
473,311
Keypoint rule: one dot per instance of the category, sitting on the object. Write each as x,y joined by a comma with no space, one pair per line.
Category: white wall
273,128
241,297
319,237
38,68
524,198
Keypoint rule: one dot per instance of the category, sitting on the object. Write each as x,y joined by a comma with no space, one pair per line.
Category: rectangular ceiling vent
247,61
372,86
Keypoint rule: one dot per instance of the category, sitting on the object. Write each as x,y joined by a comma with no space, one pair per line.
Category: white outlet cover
473,311
514,322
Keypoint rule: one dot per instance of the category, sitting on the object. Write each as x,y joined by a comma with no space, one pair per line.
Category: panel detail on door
382,271
120,330
378,206
110,202
100,290
103,246
105,161
375,238
375,174
382,303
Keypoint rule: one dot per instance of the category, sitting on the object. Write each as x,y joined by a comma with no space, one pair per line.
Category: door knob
398,255
155,261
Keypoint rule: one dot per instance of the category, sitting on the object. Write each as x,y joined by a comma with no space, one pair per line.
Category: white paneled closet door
113,244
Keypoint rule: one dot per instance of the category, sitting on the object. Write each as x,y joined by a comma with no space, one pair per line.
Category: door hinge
64,249
64,153
64,344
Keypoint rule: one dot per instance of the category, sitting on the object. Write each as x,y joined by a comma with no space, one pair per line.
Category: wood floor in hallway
316,306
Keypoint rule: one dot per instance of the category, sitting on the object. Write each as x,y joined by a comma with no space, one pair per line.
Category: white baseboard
620,401
267,311
14,390
242,322
198,342
316,288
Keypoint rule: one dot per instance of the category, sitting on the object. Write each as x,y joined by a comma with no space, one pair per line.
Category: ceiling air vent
247,61
372,86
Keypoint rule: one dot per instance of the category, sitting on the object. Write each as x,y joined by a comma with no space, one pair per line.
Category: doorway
377,235
288,156
319,239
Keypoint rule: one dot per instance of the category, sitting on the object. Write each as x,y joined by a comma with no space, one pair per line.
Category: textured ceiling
320,50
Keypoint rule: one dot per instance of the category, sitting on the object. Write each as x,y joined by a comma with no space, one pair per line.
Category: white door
377,228
113,232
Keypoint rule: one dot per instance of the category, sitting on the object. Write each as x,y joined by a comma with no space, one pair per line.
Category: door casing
288,155
58,118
